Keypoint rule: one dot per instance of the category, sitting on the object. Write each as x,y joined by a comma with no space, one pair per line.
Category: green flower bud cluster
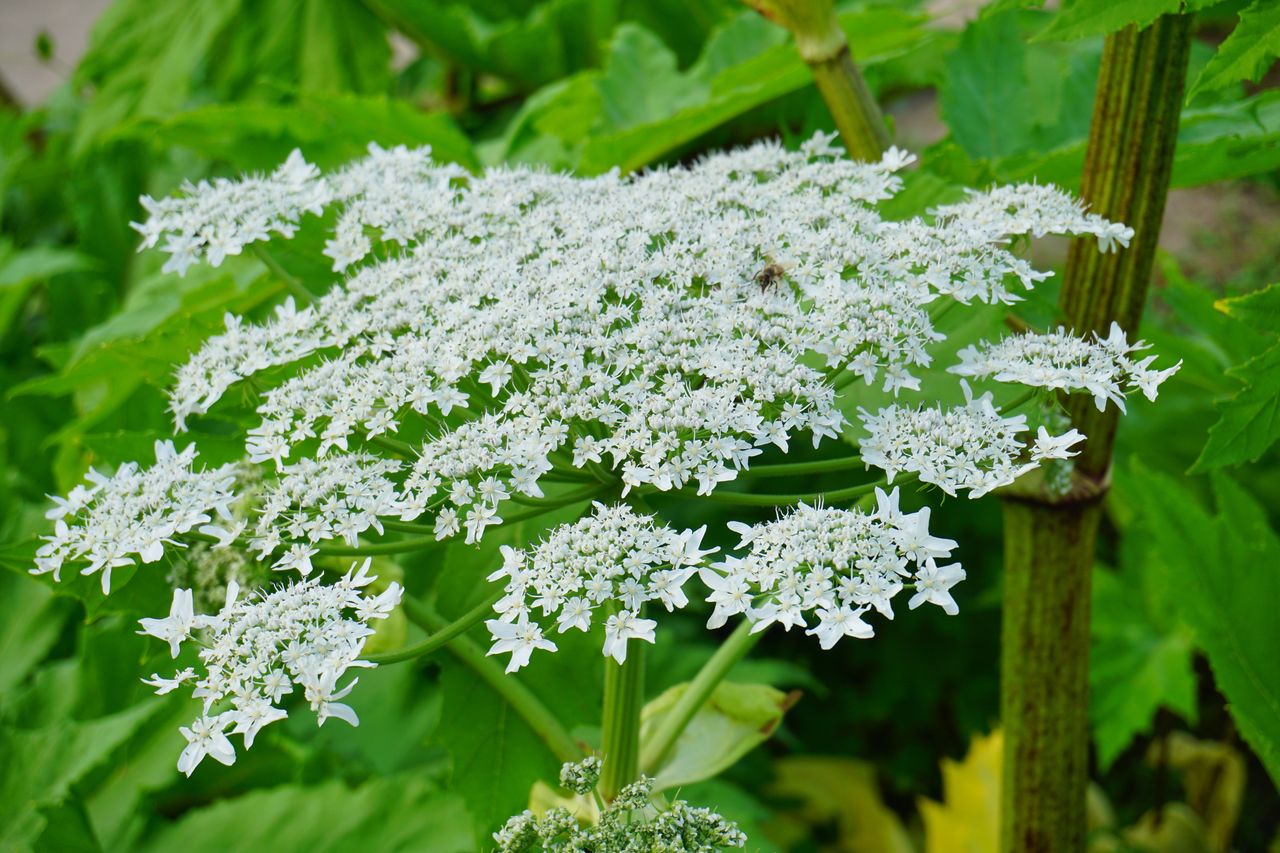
633,823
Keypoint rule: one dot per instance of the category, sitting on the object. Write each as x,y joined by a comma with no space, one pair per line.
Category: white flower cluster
130,516
214,220
338,496
659,328
615,560
834,564
1034,210
1060,360
969,447
260,647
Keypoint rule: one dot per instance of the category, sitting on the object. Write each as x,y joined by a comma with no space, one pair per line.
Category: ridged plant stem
620,736
1050,539
821,43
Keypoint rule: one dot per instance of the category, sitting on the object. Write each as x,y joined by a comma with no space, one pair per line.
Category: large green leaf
398,813
1099,17
41,764
735,720
1001,97
1223,570
984,97
22,269
1249,422
1141,653
149,59
1248,52
330,130
1215,143
595,120
527,44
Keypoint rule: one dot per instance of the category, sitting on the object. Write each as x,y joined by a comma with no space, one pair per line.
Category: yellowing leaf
735,719
968,821
842,791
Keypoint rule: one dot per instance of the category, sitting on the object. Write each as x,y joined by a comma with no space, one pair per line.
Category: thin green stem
295,285
521,700
696,694
822,44
400,546
833,497
792,469
437,639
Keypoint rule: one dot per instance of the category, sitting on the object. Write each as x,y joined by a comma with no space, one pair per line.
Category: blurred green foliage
90,332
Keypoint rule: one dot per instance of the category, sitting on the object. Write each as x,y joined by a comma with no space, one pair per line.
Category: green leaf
984,96
1248,52
150,59
496,756
330,131
1099,17
594,120
1249,422
1215,143
41,764
394,813
21,269
1260,309
1002,98
31,621
735,720
1141,659
525,44
1223,570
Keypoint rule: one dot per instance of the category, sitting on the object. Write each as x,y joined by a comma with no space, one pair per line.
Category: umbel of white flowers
257,649
501,332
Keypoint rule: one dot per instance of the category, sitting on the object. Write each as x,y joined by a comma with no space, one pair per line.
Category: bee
770,275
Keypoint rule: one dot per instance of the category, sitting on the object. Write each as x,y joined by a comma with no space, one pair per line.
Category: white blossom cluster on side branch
506,343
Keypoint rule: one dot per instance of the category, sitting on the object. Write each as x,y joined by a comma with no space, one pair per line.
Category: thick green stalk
528,706
620,735
1050,539
821,43
696,694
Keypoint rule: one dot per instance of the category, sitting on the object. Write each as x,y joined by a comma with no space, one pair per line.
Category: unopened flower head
611,562
970,447
129,516
261,647
1103,367
633,821
832,565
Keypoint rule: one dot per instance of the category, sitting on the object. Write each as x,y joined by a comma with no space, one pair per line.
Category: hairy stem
1050,540
530,708
821,43
696,694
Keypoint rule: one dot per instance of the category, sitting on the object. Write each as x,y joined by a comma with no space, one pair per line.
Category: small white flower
623,626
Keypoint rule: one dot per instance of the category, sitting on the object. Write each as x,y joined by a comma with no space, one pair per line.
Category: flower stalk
521,699
623,701
822,45
1050,539
696,694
